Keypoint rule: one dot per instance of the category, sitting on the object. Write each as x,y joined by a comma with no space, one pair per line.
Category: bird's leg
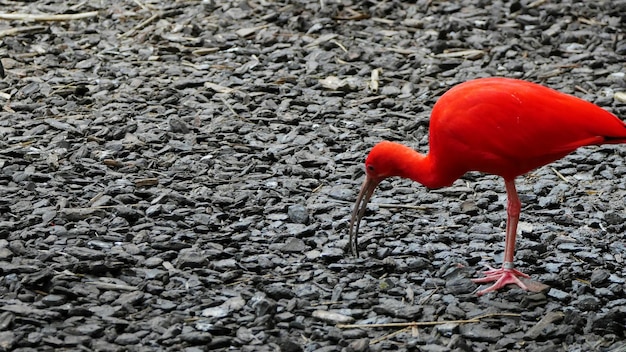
507,274
513,208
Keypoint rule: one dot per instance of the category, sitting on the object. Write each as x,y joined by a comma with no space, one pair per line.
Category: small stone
542,327
447,329
533,300
342,193
395,308
459,343
153,262
613,218
217,312
244,334
224,264
287,345
480,333
92,330
262,304
469,208
390,91
284,316
219,342
85,253
178,126
28,311
332,253
277,291
433,348
130,298
6,319
616,279
332,317
166,304
74,340
294,244
298,214
58,230
599,277
418,263
8,339
300,230
196,337
460,285
587,303
75,214
5,254
611,322
360,345
53,300
506,342
604,292
190,258
131,214
558,294
312,255
34,337
154,210
127,339
99,245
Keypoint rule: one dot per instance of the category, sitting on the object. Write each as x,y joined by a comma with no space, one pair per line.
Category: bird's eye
370,167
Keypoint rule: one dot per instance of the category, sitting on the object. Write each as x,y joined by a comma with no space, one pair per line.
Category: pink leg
508,275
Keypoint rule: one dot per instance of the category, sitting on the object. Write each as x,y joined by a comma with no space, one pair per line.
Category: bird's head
383,161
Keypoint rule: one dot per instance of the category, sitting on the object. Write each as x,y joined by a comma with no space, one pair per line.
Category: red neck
423,168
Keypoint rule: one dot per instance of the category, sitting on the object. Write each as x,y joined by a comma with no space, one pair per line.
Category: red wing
509,127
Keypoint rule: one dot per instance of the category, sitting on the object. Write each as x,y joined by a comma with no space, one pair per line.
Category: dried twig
112,286
402,206
375,79
560,175
339,45
401,51
352,15
317,188
218,88
468,53
204,51
229,107
427,323
141,25
577,87
366,100
141,4
30,29
321,39
536,4
46,17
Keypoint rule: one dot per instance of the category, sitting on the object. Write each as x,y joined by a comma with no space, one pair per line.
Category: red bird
499,126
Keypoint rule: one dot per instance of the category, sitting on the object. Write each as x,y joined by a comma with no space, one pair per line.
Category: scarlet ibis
499,126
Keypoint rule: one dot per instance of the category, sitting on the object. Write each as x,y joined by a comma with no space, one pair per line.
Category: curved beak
367,189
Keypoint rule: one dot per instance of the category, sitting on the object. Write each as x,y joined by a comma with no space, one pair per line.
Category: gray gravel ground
178,176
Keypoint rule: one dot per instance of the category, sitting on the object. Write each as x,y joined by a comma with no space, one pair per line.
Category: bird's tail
619,139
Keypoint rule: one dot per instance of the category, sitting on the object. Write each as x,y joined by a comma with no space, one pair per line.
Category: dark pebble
298,214
599,277
480,333
460,286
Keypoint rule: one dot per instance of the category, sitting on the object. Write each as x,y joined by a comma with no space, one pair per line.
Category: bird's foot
507,276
